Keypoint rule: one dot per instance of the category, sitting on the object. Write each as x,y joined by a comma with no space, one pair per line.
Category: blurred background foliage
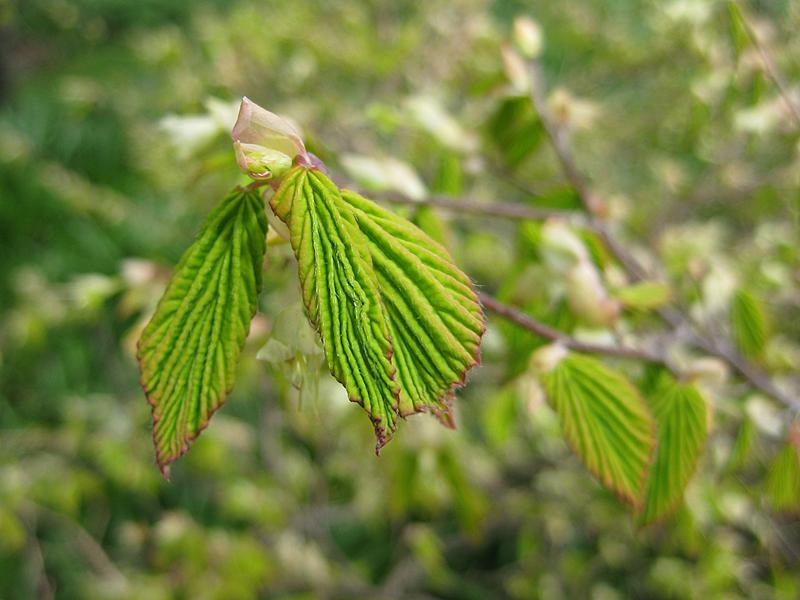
113,147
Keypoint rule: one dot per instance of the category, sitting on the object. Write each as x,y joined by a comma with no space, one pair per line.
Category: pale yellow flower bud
265,144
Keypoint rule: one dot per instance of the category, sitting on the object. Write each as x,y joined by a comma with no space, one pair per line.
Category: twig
526,321
772,69
44,589
593,205
502,210
91,549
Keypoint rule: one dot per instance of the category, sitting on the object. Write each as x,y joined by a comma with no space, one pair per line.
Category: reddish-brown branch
526,321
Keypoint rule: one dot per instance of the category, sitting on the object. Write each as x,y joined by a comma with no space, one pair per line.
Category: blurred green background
113,146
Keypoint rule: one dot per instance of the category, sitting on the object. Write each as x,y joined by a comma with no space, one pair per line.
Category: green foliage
399,322
515,130
783,479
605,421
749,324
190,348
645,295
738,28
114,146
682,421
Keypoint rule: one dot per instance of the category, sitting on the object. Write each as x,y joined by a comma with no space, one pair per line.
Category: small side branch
501,210
770,67
526,321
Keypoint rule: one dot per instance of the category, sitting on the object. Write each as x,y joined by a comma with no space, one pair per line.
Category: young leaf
434,317
645,295
399,323
189,350
783,479
738,28
605,421
340,292
749,324
680,414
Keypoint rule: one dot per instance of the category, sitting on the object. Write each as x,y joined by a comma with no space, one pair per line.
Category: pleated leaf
680,414
434,317
190,348
749,324
400,324
605,421
340,292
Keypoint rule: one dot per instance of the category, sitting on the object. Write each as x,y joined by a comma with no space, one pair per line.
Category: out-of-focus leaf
429,221
680,414
291,335
749,323
400,324
587,296
738,28
605,420
449,177
189,349
742,445
645,295
293,344
431,116
500,415
384,174
515,130
470,505
783,479
12,531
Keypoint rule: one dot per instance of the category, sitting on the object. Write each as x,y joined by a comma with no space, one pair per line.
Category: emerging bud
528,37
587,296
516,69
547,358
265,144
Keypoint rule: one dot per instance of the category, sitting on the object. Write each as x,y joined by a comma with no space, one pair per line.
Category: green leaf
749,324
400,325
604,420
738,28
645,295
293,348
515,130
742,446
189,350
783,480
680,413
290,338
434,317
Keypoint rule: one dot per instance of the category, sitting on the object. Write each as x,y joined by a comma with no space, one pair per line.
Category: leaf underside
400,324
190,348
605,421
680,413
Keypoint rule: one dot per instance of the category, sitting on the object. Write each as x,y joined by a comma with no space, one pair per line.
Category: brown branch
594,207
502,210
90,548
769,65
526,321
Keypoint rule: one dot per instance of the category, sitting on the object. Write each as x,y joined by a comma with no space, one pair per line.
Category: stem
503,210
89,547
769,65
526,321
